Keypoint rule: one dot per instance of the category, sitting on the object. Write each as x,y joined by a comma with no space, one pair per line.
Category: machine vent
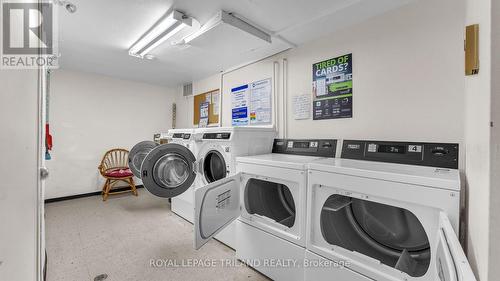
187,90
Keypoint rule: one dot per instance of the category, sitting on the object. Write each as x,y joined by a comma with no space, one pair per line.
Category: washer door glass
214,166
137,155
390,234
168,170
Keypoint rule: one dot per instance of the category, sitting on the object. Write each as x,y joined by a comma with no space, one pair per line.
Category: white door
451,262
216,206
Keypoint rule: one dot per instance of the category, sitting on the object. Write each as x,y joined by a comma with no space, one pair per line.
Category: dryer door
138,154
216,206
168,170
451,263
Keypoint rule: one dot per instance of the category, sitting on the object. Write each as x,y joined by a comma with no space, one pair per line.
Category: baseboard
71,197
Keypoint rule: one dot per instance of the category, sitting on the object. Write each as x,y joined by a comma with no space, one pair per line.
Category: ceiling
97,37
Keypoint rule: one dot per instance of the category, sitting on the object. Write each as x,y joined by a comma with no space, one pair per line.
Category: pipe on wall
285,99
277,122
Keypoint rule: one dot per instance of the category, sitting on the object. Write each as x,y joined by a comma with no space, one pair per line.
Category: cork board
213,97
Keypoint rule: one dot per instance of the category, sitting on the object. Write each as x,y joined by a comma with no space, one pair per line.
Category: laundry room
249,140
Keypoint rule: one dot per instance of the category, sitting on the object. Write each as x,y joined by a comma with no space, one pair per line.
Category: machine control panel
216,136
307,147
185,136
442,155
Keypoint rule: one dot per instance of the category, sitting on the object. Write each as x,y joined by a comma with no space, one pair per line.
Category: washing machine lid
169,170
411,174
296,162
137,155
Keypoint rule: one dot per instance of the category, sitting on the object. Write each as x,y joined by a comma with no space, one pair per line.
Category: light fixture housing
165,28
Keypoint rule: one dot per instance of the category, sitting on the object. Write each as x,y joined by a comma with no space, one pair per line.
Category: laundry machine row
384,211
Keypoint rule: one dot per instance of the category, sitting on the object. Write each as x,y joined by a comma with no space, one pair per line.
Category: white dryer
218,148
273,196
182,205
386,221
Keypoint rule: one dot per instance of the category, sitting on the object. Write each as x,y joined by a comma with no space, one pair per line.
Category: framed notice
251,104
332,88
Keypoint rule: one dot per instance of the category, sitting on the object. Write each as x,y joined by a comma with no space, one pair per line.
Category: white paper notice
261,102
215,102
301,107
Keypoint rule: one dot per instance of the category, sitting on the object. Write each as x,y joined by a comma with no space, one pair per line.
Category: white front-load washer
182,205
169,170
271,229
218,148
386,211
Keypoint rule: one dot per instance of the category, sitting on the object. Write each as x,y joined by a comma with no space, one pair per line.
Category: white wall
494,271
185,104
90,114
18,170
477,137
407,63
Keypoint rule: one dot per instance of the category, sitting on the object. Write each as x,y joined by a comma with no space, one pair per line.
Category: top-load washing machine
269,191
386,221
182,205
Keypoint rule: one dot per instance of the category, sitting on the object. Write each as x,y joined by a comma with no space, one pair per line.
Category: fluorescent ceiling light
161,31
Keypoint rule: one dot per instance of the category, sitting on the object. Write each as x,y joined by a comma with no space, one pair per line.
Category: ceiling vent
187,90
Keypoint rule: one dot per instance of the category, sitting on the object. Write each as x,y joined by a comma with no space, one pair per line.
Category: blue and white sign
251,104
239,105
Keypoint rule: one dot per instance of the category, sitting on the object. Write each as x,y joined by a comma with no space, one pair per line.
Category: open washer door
137,155
169,170
451,262
216,206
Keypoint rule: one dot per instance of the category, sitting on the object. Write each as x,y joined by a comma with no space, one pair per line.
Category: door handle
44,173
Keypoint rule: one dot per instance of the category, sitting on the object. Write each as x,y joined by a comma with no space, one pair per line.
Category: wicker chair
114,168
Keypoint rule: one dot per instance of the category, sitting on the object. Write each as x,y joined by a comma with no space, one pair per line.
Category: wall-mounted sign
239,106
332,88
204,109
301,107
251,104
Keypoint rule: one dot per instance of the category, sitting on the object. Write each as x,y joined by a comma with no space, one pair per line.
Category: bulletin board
213,99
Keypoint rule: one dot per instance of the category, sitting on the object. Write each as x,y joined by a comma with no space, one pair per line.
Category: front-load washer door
214,166
168,170
137,155
216,206
451,262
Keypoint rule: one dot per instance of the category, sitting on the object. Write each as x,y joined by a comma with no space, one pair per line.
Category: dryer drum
389,234
270,199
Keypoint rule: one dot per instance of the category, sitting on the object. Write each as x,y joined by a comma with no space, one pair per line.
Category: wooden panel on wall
213,117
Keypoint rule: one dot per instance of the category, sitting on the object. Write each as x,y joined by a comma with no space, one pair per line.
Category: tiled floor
121,237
